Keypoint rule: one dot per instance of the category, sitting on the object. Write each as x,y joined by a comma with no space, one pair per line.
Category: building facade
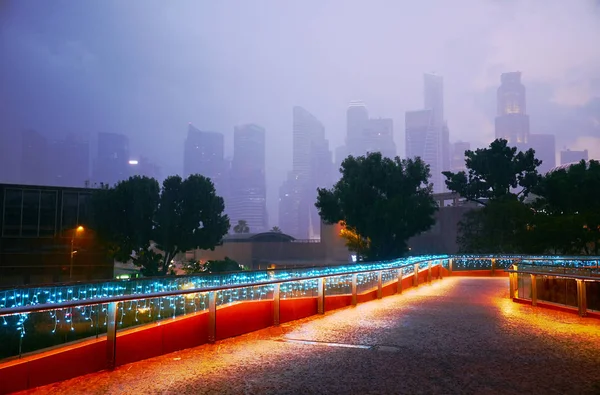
70,162
544,146
37,229
568,156
204,153
112,159
248,199
512,121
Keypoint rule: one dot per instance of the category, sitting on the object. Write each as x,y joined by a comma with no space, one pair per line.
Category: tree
222,266
498,178
567,209
383,201
275,229
136,216
241,227
494,173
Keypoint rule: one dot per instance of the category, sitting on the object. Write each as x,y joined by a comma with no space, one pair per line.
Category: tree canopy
137,216
241,227
383,202
495,173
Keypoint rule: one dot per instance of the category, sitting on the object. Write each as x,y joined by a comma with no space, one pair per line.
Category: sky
146,68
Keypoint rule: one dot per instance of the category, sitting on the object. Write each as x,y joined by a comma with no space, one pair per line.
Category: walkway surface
457,336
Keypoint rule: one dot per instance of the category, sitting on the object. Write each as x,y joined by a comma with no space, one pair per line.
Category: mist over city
147,70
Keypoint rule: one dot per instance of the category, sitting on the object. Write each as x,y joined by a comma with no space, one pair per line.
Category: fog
146,68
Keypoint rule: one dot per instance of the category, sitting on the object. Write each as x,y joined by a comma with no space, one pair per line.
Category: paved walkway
457,336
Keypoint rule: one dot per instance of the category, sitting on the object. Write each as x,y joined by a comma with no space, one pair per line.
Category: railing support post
429,272
379,284
321,296
450,264
354,289
111,335
276,299
533,290
416,275
441,266
212,316
581,298
399,289
493,266
511,285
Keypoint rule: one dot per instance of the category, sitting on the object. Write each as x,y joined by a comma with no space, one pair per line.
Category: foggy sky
146,68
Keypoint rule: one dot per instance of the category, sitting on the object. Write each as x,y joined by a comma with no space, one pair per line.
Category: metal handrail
126,298
554,274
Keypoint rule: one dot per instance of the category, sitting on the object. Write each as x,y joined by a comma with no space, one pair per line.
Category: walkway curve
458,335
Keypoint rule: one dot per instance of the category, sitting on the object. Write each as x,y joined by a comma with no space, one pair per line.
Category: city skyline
139,76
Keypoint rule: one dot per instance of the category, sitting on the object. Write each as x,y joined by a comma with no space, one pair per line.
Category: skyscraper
248,200
545,150
427,134
69,162
378,136
356,119
204,154
34,158
312,166
112,161
568,156
512,121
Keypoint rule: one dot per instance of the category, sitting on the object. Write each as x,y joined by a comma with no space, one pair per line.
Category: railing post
276,298
429,272
379,284
511,285
416,275
450,264
321,296
581,298
212,316
354,289
533,290
399,289
441,265
111,334
493,266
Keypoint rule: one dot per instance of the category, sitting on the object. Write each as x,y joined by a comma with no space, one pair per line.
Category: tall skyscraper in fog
312,167
356,120
34,158
204,154
112,160
512,121
427,134
364,134
69,162
544,146
248,184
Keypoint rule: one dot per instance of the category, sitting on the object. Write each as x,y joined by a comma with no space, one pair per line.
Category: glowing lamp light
133,162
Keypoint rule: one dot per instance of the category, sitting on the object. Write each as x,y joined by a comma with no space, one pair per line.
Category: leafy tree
136,216
241,227
381,200
498,178
221,266
275,229
568,209
354,241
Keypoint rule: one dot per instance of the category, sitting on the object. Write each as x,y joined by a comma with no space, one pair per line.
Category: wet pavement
456,336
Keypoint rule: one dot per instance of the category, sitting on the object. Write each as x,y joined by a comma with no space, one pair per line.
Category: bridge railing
35,318
573,287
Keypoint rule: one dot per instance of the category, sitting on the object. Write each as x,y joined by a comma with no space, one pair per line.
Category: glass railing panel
463,264
366,281
592,289
524,285
299,289
338,285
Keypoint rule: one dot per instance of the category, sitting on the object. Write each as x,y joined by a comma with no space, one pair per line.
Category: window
13,201
31,213
84,209
48,213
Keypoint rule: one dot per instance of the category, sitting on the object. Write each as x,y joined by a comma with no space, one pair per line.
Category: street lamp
76,232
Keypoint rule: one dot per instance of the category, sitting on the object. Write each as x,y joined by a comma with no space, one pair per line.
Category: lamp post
76,231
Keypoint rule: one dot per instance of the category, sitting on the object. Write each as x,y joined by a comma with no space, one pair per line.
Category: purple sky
146,68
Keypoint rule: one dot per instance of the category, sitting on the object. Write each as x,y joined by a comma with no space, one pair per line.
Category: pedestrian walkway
458,335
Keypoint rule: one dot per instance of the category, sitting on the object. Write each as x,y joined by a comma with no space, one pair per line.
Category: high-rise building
356,119
69,162
378,136
512,121
423,140
545,150
112,161
204,154
312,166
458,155
568,156
248,199
427,134
144,167
34,158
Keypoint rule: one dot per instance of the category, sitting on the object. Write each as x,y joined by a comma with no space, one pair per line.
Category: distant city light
133,162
